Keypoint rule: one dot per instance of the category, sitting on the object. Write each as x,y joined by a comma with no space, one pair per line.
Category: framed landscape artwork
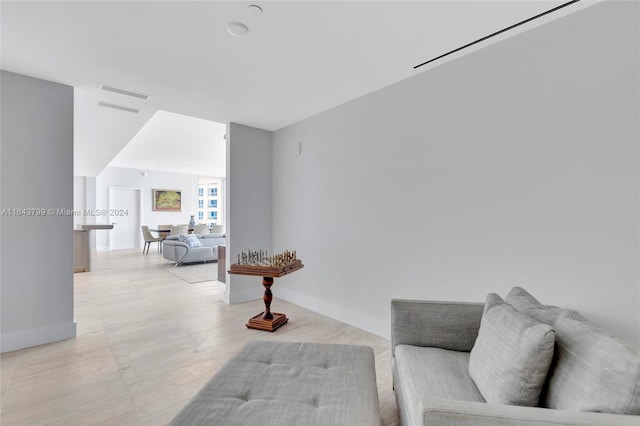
167,200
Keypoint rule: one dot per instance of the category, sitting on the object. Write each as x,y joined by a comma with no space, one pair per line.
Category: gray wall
514,165
37,251
248,208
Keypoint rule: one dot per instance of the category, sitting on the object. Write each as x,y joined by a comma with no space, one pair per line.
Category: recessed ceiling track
120,107
123,92
498,32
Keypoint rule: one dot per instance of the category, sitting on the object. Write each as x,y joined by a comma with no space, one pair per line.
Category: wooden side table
267,320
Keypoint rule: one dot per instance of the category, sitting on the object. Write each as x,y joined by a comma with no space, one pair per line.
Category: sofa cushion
190,240
594,371
510,359
523,301
425,372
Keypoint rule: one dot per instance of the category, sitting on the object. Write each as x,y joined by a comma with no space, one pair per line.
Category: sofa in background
192,248
509,362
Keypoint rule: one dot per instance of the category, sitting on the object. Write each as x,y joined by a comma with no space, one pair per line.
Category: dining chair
217,229
148,239
201,228
179,230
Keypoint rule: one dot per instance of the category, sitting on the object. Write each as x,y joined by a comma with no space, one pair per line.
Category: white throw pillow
190,240
511,356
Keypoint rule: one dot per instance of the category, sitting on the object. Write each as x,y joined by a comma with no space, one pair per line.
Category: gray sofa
442,374
180,252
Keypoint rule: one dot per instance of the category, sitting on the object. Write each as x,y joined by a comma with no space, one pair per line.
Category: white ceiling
176,143
299,58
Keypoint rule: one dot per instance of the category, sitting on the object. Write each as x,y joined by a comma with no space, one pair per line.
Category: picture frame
167,200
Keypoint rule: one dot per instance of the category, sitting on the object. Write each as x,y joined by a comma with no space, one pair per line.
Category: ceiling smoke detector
237,29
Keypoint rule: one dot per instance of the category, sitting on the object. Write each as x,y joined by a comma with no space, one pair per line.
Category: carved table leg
267,282
267,320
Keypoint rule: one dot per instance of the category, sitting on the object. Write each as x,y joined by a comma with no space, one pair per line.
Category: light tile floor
147,342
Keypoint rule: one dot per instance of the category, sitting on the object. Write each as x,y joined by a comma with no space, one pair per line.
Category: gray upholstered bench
286,383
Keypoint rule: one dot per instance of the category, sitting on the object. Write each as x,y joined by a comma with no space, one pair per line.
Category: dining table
168,230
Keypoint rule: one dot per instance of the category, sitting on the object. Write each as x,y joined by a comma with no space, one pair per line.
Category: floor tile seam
6,390
155,314
155,377
172,319
25,356
4,396
115,341
109,327
195,341
124,383
177,325
187,333
33,380
11,373
57,398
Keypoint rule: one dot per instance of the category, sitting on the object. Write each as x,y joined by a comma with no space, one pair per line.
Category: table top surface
266,271
97,226
166,229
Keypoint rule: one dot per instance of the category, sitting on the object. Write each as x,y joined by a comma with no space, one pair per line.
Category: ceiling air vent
120,107
498,32
123,92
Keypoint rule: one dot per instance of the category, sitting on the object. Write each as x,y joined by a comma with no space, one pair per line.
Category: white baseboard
364,322
231,297
37,336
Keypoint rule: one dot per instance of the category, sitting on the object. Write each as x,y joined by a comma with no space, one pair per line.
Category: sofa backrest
216,235
212,240
199,236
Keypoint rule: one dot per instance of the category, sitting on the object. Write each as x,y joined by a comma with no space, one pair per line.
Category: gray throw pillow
594,371
521,299
511,356
524,302
190,240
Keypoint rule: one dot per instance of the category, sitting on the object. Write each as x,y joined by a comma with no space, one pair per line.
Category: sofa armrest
174,250
450,412
447,325
175,243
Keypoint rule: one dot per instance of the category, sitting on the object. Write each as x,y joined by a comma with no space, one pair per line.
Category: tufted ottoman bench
286,383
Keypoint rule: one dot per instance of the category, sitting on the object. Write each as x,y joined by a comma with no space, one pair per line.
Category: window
210,203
